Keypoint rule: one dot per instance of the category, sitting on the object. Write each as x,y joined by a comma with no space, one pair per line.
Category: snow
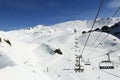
21,72
32,57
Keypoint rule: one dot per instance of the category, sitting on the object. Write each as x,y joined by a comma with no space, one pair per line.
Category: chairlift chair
87,63
79,68
106,65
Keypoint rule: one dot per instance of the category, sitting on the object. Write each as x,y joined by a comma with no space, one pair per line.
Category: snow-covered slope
32,56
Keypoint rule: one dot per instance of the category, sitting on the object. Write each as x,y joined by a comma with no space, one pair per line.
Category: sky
17,14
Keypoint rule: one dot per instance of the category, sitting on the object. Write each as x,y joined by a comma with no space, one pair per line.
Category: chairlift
106,64
87,62
79,68
0,40
76,42
82,60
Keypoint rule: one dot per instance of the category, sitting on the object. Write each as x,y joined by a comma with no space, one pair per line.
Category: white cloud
114,4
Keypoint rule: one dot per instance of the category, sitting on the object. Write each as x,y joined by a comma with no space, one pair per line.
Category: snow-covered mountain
34,52
114,29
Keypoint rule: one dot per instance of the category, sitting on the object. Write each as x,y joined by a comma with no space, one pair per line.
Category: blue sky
16,14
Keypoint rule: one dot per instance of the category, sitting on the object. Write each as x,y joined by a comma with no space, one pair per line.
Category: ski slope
32,57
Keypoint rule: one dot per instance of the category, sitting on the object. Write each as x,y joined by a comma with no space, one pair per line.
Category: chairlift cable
92,26
105,54
102,33
114,51
114,14
95,40
97,56
98,44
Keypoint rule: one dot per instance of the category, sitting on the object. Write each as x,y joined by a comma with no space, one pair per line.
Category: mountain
114,29
49,52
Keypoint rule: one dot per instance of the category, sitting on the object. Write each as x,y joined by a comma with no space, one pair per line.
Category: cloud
114,4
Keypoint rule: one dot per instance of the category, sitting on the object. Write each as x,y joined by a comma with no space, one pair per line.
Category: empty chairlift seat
106,65
87,63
